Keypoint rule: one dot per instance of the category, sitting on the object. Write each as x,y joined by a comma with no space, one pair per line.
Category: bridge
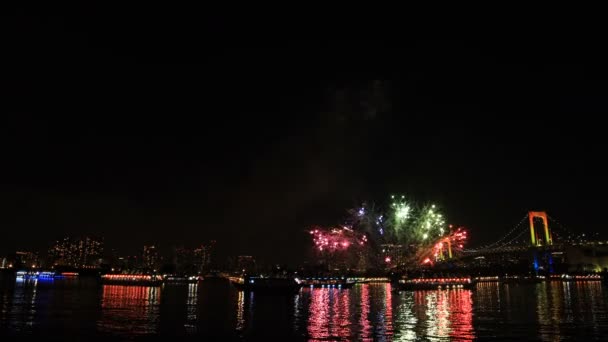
542,252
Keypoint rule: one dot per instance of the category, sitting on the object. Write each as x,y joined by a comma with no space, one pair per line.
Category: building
245,264
151,258
203,257
23,260
183,260
89,251
4,263
60,253
77,252
126,263
392,255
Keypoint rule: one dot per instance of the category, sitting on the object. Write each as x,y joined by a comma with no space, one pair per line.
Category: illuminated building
60,254
4,263
90,251
392,255
202,257
25,260
151,258
245,263
183,260
127,263
80,252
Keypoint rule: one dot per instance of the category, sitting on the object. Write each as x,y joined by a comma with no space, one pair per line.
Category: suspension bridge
534,243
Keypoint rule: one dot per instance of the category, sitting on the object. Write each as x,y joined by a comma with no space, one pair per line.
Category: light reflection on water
381,314
133,309
329,313
547,311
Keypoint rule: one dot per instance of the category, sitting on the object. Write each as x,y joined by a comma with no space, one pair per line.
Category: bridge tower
536,239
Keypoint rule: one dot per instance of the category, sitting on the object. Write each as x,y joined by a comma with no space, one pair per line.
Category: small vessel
337,282
523,279
270,284
414,284
36,275
173,279
132,279
370,280
487,279
576,277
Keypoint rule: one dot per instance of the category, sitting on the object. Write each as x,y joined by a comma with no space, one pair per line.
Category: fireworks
336,239
420,232
401,213
430,222
446,246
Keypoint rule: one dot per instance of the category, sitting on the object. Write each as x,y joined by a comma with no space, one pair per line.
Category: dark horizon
201,130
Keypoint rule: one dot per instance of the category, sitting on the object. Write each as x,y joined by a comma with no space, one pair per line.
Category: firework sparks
447,245
420,232
336,239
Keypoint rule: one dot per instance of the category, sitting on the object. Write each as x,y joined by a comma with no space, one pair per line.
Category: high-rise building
126,263
80,252
245,263
203,257
200,259
23,259
89,251
183,260
151,258
60,253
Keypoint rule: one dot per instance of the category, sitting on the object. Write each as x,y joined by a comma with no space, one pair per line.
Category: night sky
177,130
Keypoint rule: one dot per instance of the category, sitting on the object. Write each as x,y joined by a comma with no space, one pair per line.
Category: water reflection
240,311
364,312
375,312
385,313
132,309
216,310
364,323
438,314
191,309
21,310
550,311
329,314
405,319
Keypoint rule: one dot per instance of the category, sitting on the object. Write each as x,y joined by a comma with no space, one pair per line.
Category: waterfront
77,308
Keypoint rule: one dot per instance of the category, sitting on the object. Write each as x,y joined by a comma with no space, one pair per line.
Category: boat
413,284
338,282
132,279
523,279
487,279
37,275
266,284
576,277
172,279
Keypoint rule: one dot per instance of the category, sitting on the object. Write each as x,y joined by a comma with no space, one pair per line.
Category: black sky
179,129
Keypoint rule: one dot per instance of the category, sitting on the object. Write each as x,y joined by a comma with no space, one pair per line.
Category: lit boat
171,279
266,284
132,279
435,284
36,275
342,283
487,279
578,277
368,280
70,274
523,279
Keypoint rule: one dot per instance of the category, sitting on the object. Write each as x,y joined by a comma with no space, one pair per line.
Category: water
73,309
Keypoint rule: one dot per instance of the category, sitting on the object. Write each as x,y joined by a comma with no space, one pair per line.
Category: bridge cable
497,242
